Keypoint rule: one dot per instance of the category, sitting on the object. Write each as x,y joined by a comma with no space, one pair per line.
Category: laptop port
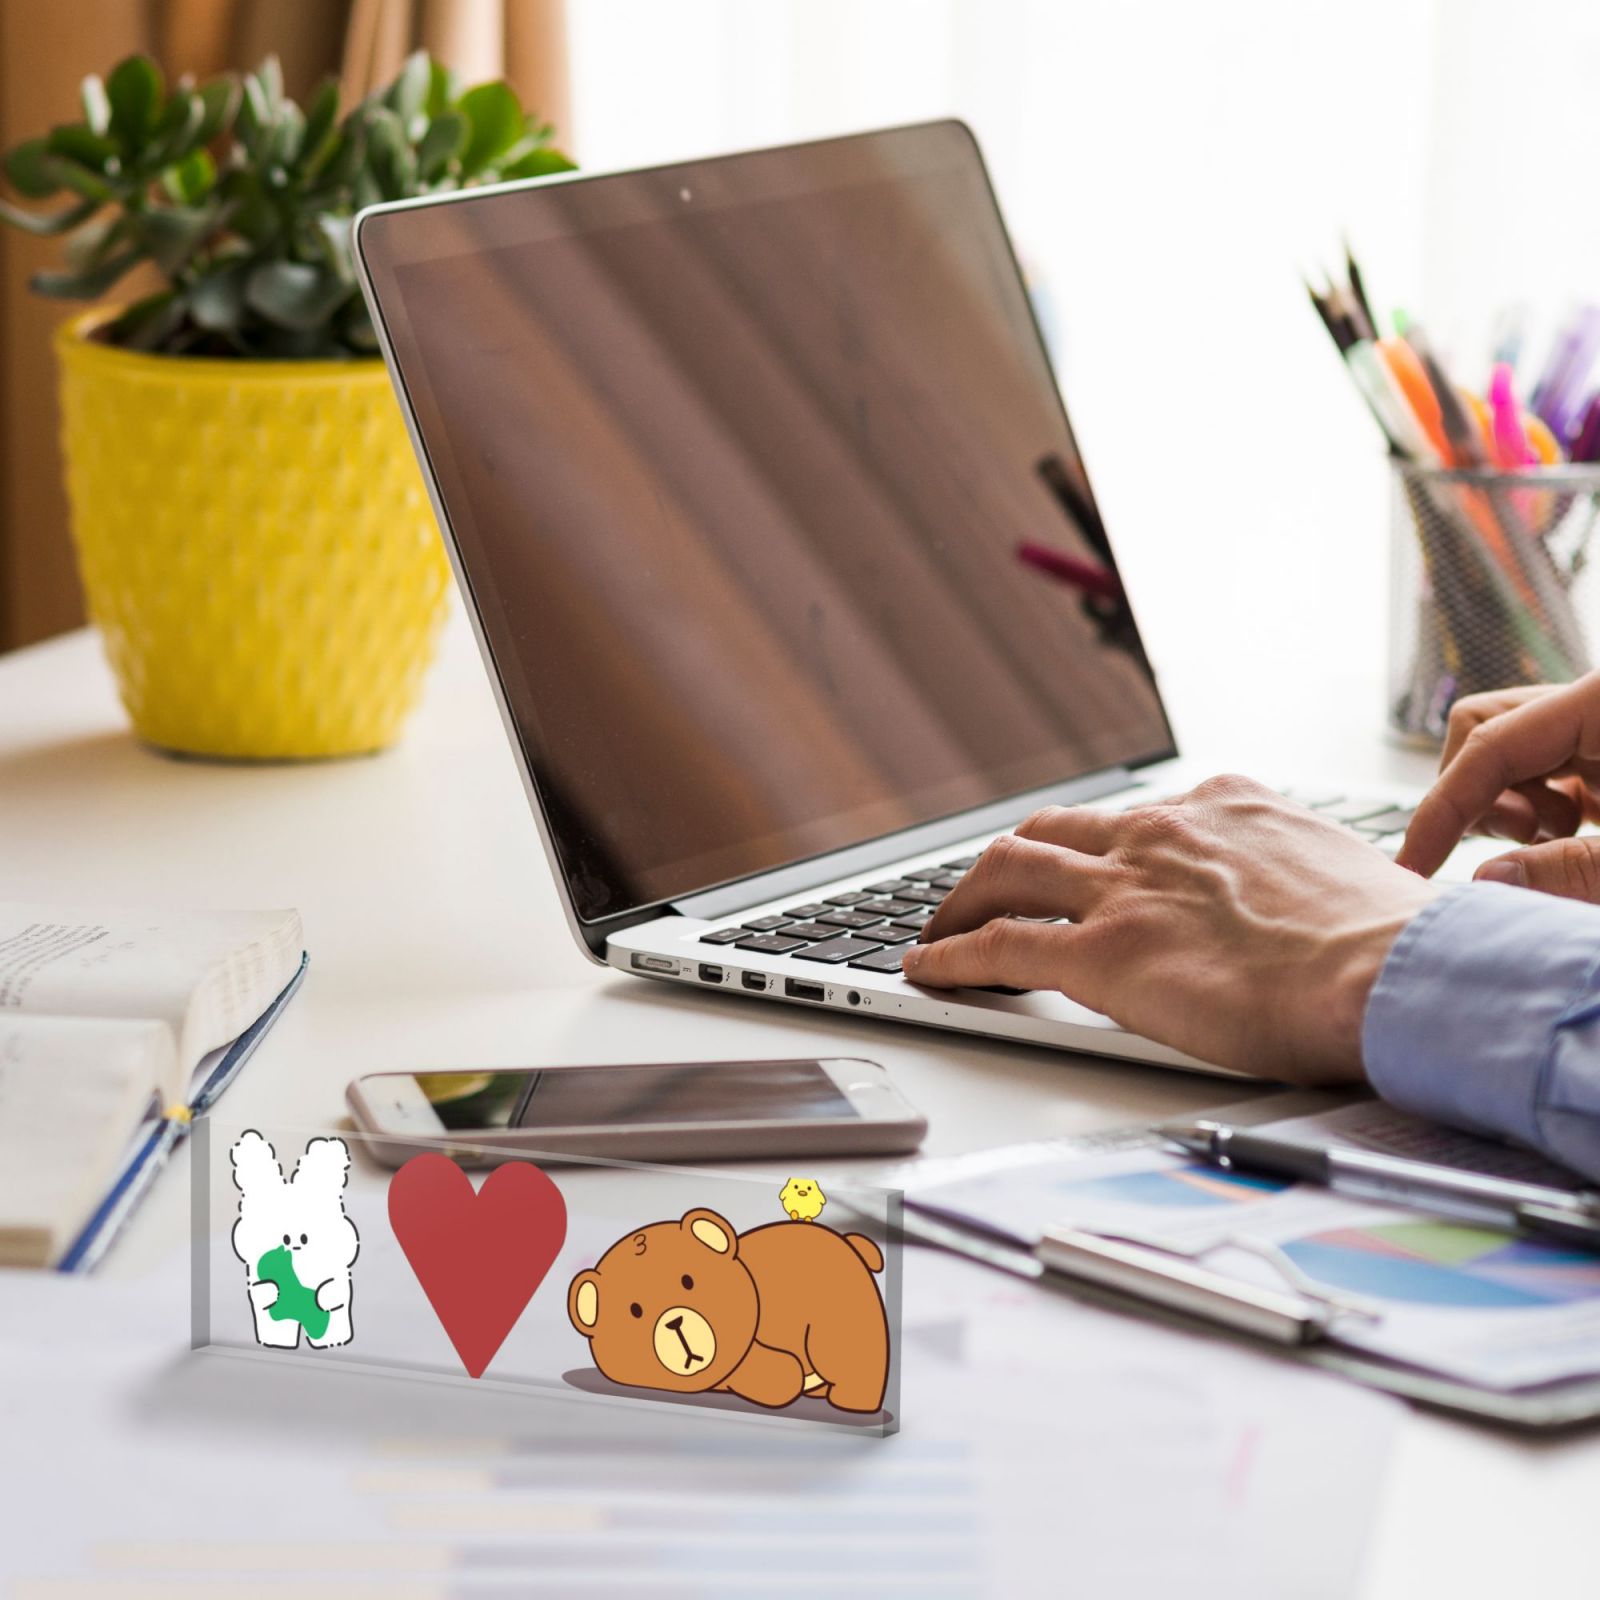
799,989
643,963
753,980
709,973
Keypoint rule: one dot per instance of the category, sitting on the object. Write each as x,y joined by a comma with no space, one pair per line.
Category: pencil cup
1487,586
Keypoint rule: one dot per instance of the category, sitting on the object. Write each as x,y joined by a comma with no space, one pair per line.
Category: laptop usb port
642,963
799,989
709,973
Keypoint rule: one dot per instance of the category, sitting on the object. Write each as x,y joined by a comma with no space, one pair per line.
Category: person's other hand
1521,764
1231,924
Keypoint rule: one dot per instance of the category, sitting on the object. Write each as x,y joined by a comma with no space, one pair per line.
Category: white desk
428,910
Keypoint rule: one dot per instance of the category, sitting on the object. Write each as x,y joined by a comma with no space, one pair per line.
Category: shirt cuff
1464,1013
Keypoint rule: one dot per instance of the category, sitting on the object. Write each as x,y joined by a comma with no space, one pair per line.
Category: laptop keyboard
866,927
862,927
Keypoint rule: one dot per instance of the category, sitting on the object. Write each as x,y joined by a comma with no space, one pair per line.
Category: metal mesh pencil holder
1488,586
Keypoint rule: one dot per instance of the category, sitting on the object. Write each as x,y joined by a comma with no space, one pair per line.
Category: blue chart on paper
1189,1187
1446,1264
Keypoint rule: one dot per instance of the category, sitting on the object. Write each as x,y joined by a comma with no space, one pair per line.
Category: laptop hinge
804,875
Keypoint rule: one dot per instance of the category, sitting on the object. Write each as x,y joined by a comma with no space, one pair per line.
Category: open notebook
114,1026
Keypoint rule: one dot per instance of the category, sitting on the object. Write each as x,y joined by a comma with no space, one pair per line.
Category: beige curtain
45,48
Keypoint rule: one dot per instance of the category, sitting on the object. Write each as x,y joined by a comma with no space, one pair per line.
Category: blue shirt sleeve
1486,1015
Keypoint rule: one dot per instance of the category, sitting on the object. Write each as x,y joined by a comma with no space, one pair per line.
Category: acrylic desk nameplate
702,1289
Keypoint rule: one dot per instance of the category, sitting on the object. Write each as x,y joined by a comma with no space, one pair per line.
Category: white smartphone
674,1111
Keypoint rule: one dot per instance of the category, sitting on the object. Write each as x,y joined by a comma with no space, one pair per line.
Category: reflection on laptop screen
739,457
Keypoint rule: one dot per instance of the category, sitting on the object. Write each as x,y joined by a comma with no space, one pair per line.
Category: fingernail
1512,872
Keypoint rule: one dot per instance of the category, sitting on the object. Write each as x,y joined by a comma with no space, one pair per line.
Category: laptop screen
764,494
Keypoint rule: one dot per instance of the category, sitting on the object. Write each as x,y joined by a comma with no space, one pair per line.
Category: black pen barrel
1272,1158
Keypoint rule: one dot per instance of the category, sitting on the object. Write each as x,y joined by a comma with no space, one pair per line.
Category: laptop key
722,936
810,932
926,897
1315,799
813,908
770,944
965,864
1355,810
887,908
889,886
837,950
879,961
925,874
851,919
893,935
914,920
1395,821
852,899
768,924
948,881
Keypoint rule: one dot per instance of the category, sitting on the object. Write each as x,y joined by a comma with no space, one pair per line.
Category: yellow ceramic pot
256,545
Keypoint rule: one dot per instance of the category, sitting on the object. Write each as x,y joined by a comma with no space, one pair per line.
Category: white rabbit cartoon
296,1242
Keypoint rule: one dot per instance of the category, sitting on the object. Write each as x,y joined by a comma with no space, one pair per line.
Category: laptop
781,555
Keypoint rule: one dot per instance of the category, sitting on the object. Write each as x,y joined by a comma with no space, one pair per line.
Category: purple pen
1555,367
1560,403
1586,447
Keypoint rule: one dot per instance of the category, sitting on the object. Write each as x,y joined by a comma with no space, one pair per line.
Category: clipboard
1307,1337
1545,1408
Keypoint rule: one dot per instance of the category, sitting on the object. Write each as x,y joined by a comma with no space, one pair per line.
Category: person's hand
1231,924
1521,764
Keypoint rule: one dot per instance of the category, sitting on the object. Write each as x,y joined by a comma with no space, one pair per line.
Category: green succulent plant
243,200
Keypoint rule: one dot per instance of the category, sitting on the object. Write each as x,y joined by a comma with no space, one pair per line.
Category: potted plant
250,522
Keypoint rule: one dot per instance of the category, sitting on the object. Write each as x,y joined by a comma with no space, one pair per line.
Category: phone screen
696,1092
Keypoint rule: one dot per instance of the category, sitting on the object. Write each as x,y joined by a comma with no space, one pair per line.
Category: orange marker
1542,440
1479,409
1412,380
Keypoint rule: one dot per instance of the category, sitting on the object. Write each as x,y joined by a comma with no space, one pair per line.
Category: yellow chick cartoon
802,1199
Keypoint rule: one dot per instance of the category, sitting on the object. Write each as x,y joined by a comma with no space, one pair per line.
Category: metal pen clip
1181,1284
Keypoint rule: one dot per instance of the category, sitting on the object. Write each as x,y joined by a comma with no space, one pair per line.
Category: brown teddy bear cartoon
768,1315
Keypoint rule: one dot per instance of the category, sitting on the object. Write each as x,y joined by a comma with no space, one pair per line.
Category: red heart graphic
478,1256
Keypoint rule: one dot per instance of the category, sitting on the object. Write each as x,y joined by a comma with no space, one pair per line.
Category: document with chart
1485,1306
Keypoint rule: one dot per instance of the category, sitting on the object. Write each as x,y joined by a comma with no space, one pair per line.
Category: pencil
1358,290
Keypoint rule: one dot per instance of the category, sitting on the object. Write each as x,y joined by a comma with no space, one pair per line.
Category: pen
1387,403
1412,381
1513,450
1510,439
1508,338
1586,447
1530,1208
1128,1268
111,1216
1358,291
1563,403
1145,1274
169,1131
1084,576
1563,352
